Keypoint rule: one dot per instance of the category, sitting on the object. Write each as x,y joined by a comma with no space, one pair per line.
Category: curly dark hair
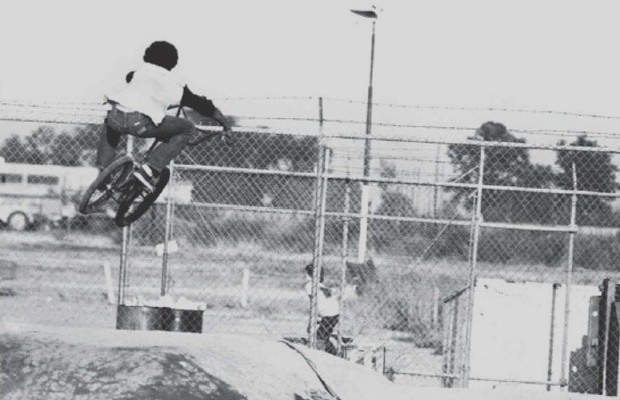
309,269
161,53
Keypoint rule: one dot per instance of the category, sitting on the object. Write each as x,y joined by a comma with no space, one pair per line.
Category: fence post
435,314
436,179
344,254
554,295
472,268
569,279
319,224
245,288
126,242
363,234
108,281
167,231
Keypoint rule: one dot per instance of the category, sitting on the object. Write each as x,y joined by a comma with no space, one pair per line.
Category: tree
256,151
85,140
39,145
595,172
45,146
13,150
65,151
388,235
503,166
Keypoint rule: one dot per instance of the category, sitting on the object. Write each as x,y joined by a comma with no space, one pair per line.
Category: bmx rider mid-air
139,109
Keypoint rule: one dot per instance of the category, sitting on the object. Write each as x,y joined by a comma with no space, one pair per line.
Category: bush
362,275
504,246
415,239
597,252
401,303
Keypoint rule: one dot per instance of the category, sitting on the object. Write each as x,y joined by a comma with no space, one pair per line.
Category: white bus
40,193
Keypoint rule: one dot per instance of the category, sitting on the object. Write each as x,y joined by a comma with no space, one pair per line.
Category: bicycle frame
205,133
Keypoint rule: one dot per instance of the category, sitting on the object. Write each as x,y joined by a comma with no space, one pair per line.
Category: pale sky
548,54
559,55
528,54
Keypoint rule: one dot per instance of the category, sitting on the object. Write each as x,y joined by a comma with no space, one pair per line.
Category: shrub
401,303
597,252
504,246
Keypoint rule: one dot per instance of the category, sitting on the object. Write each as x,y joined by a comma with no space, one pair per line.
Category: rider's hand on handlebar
226,135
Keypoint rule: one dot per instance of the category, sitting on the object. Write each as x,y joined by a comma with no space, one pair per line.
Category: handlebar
206,132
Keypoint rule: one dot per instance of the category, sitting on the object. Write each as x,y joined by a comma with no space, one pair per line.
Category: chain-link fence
470,262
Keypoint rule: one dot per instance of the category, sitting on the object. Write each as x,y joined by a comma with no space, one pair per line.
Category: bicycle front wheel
135,202
104,186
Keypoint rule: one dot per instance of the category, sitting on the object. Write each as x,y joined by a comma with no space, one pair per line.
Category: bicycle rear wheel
104,186
135,202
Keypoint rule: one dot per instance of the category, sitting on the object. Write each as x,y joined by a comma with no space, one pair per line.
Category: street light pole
365,200
369,105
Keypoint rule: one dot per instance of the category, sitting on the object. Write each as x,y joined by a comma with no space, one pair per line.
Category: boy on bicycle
139,109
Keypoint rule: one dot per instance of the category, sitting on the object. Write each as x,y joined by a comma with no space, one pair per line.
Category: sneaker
109,210
146,176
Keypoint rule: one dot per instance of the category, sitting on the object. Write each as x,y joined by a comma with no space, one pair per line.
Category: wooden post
435,317
108,281
245,288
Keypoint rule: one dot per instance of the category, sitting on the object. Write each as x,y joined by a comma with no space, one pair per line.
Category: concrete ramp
61,363
41,362
358,382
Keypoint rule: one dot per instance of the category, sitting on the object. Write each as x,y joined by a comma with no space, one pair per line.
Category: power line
351,101
91,106
47,108
252,98
542,132
45,121
488,109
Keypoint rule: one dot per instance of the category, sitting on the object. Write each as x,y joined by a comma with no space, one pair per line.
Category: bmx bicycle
117,182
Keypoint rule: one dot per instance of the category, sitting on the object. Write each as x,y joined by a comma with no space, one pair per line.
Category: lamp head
366,13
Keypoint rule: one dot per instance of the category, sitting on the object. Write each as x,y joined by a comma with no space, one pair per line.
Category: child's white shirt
327,306
151,91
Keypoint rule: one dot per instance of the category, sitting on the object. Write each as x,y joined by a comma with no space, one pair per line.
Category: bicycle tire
129,210
110,177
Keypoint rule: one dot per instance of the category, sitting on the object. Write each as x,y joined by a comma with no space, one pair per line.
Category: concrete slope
357,382
42,362
60,363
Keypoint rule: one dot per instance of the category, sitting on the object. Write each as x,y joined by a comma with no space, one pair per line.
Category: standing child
328,309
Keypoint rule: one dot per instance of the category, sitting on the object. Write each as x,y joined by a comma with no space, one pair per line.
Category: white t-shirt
151,91
326,306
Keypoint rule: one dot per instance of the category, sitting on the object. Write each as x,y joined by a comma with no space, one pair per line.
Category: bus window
43,179
10,178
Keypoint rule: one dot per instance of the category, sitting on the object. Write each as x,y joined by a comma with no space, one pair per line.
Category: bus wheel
18,221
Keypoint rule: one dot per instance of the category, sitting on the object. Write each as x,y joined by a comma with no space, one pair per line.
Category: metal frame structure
323,176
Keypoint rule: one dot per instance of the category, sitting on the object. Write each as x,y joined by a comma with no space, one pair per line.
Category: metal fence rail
434,257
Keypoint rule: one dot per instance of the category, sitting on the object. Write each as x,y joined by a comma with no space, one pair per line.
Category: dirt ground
53,363
51,279
43,362
59,281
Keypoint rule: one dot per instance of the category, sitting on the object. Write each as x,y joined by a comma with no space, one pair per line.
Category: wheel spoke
135,200
107,185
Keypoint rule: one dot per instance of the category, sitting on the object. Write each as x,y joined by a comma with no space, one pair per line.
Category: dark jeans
324,333
326,327
173,132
